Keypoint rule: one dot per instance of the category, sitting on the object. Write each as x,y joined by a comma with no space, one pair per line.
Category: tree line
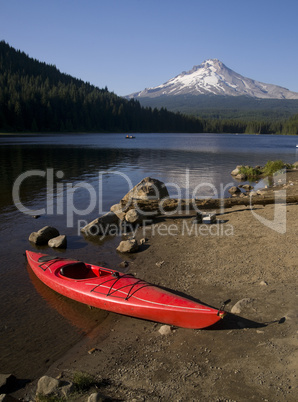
37,97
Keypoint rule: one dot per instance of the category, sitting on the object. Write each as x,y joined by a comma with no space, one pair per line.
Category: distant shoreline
131,132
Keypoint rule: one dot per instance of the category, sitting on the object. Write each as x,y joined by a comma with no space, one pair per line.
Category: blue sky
128,45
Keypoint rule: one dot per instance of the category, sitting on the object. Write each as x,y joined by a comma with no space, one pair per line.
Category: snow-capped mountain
212,77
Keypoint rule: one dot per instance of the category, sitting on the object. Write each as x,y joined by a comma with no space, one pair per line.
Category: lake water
71,178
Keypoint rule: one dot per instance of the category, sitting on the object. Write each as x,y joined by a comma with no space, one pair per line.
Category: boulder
241,176
128,246
236,170
147,189
43,235
49,386
58,242
101,225
234,190
119,210
133,216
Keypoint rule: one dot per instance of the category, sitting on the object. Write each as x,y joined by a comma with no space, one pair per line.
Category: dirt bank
251,355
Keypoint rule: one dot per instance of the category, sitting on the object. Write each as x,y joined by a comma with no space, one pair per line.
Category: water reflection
207,158
78,314
191,166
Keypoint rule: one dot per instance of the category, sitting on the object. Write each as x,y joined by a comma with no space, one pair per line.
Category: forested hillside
35,96
236,114
225,107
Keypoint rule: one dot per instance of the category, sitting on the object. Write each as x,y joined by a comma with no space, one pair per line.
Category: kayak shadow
232,321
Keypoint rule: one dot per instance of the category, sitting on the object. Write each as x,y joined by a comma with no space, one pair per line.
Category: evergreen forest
37,97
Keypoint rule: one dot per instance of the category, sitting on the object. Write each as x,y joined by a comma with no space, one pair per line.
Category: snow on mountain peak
212,77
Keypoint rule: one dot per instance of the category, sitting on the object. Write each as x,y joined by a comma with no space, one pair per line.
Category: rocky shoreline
250,355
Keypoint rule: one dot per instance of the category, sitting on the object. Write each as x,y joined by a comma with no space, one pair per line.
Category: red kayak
120,293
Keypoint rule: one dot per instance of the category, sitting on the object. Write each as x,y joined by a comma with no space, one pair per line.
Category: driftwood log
172,204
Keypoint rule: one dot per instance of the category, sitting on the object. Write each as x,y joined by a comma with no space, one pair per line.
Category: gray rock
101,225
234,190
128,246
96,397
47,386
236,309
51,386
58,242
165,330
133,216
236,171
247,187
43,235
147,189
241,176
119,210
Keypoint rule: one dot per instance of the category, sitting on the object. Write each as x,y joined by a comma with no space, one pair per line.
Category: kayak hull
119,293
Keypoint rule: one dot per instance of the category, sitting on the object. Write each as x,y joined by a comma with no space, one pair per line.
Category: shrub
83,381
250,172
272,167
269,169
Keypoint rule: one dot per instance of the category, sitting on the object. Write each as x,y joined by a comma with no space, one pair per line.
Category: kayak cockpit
78,270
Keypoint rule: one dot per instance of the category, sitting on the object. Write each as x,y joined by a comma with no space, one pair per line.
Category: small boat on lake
121,293
129,137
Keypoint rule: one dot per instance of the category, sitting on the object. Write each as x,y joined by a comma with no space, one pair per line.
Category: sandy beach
249,355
